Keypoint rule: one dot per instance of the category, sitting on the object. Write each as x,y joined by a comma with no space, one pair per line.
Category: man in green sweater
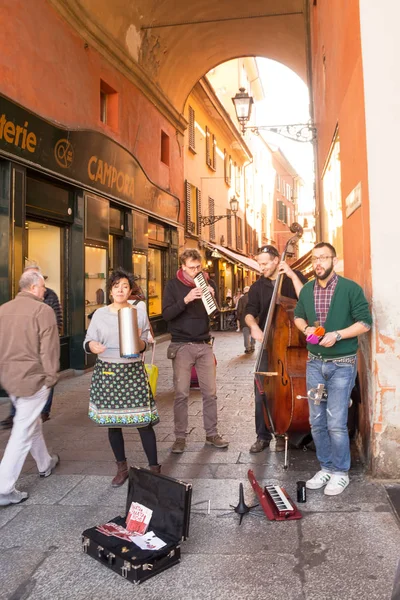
340,307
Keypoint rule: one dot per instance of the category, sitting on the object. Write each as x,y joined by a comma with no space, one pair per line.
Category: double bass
282,383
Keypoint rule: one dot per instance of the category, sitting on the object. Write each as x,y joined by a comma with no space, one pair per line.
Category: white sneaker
336,485
55,459
319,480
14,497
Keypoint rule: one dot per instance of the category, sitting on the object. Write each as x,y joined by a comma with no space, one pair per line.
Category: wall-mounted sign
353,200
88,158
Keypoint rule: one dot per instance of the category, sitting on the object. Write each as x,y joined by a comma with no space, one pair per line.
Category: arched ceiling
166,46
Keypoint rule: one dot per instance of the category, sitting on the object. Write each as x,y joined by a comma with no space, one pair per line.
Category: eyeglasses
269,250
196,268
323,258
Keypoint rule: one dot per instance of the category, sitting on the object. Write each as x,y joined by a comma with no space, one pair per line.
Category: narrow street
344,548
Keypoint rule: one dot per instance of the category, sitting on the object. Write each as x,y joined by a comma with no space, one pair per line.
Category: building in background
215,161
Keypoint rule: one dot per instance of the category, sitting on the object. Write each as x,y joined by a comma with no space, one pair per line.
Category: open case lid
168,498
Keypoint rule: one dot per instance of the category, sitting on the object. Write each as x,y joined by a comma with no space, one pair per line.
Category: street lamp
299,132
234,205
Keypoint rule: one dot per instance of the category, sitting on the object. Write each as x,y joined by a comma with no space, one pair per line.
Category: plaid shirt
323,298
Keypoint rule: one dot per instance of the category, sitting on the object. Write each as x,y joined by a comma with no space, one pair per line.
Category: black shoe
7,423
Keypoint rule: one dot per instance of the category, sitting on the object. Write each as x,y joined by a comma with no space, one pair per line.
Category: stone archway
166,47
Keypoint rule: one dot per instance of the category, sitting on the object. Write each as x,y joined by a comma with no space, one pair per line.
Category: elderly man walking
29,362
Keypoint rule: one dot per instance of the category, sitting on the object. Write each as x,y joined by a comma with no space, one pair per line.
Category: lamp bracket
299,132
204,221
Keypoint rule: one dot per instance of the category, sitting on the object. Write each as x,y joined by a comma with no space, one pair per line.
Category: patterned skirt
120,396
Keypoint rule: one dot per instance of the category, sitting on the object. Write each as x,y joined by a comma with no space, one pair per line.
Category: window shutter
211,209
198,210
229,227
208,156
214,153
192,130
187,205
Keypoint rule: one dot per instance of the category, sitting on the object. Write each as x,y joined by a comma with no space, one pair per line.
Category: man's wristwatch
338,336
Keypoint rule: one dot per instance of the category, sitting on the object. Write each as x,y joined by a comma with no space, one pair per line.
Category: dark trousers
148,439
262,431
46,408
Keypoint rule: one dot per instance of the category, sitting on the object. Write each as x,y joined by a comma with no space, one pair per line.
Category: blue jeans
328,420
46,408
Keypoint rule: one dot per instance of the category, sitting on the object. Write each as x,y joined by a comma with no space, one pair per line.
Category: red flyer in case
138,518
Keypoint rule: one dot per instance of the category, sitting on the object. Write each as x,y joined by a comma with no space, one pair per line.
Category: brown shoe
155,468
217,441
122,474
7,423
259,446
179,446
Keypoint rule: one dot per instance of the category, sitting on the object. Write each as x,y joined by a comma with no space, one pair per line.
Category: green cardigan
348,306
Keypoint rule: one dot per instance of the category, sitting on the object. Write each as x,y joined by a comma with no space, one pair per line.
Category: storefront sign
88,158
353,200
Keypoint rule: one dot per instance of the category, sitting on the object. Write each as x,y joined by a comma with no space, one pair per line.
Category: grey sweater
103,328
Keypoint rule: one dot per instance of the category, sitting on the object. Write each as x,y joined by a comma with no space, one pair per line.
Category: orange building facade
353,88
91,171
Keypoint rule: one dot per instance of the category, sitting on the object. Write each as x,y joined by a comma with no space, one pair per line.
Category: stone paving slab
220,577
350,542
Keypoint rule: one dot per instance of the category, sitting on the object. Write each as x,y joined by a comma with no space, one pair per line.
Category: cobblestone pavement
345,547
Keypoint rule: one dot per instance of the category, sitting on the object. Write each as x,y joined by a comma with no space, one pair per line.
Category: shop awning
248,263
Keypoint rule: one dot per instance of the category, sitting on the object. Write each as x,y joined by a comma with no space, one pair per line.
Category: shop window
96,219
211,150
192,130
140,231
157,232
139,268
44,249
108,105
155,282
95,280
164,148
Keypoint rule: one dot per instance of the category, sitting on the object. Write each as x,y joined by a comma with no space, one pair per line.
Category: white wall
380,53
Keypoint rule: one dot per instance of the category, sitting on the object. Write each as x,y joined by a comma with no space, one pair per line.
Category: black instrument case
170,501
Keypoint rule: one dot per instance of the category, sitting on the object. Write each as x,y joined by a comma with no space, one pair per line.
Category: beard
325,274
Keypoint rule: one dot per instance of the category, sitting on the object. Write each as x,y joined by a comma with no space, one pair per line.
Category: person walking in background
191,346
120,394
339,305
236,299
249,342
260,295
51,299
29,362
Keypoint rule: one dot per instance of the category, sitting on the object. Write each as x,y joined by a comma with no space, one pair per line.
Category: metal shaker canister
128,332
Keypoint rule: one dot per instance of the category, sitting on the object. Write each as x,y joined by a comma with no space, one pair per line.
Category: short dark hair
189,253
119,274
327,245
268,249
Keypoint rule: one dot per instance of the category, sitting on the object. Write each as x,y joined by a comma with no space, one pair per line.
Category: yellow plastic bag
152,374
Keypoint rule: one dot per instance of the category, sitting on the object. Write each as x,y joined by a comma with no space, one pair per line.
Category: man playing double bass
260,295
340,307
